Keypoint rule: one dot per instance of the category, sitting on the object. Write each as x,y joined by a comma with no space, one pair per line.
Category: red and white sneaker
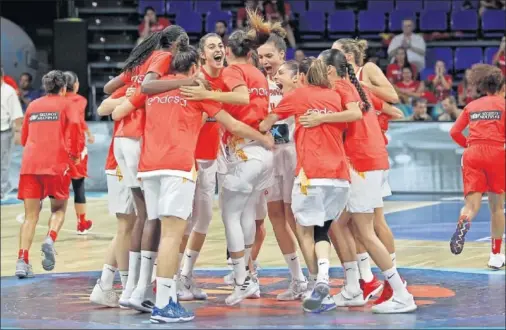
387,292
83,227
371,288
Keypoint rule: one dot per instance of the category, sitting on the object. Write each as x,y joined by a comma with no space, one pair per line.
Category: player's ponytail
317,74
353,79
53,82
184,58
71,79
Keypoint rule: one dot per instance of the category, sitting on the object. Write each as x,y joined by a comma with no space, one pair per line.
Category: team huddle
303,143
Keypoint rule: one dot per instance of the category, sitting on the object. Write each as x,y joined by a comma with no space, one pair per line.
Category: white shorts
261,207
168,196
321,203
385,186
127,152
285,161
119,196
366,191
250,175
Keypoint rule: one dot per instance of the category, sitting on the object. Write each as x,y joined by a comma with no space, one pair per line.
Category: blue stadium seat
371,21
465,21
158,6
489,54
179,6
215,16
465,57
431,20
445,54
341,21
380,6
190,21
437,5
326,6
290,54
493,23
297,6
312,25
396,18
413,5
205,6
426,72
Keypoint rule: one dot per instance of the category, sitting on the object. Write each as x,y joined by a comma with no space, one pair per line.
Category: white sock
153,276
164,291
395,281
323,270
239,270
147,262
190,258
293,262
364,265
393,257
312,277
247,257
180,258
352,276
123,274
134,266
107,277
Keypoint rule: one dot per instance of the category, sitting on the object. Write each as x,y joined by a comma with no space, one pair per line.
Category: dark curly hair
54,81
488,79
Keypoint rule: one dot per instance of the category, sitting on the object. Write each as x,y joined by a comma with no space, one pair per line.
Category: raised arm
352,113
107,106
379,84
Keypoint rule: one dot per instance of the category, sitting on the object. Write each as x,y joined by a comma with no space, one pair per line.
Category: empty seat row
460,59
370,21
174,6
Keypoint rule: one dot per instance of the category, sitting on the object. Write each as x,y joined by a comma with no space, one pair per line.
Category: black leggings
322,233
79,193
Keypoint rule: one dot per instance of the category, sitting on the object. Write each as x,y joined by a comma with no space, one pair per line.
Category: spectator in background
151,23
499,58
413,44
242,17
408,89
491,4
11,120
451,111
280,11
439,84
419,111
466,91
299,55
394,69
26,91
221,29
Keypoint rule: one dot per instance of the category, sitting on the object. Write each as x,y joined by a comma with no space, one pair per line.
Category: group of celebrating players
301,142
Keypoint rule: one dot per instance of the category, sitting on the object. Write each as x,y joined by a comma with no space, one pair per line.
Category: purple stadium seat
312,22
215,16
341,21
382,6
444,54
297,6
413,5
489,54
465,57
431,20
290,54
396,18
312,52
458,5
326,6
371,21
158,6
493,23
190,21
464,20
204,6
179,6
426,72
437,5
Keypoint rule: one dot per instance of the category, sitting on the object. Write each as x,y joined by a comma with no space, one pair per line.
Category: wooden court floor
85,253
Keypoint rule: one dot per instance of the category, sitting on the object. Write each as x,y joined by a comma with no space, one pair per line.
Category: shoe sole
140,307
312,304
247,294
374,293
459,237
407,309
496,268
23,274
85,232
49,261
167,320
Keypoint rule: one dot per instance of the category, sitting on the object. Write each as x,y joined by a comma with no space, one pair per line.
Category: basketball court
451,291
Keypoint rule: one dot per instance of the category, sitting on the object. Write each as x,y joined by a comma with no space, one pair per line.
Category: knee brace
322,233
79,194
